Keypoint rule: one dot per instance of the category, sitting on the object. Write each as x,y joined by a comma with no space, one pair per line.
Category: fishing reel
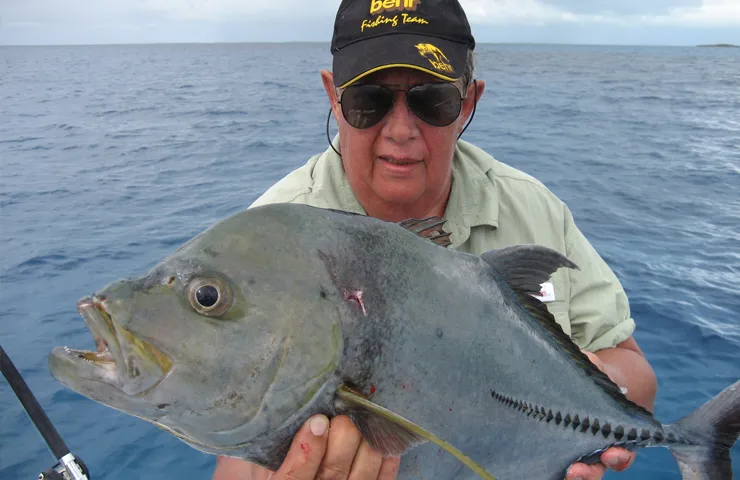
68,468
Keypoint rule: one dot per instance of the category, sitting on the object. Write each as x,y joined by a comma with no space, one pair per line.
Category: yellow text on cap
388,5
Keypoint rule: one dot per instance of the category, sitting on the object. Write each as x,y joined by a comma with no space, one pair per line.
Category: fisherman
401,90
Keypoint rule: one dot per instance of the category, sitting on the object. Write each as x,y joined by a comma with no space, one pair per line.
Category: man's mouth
399,161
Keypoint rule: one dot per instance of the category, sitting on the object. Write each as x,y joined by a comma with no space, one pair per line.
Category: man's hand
626,366
320,450
615,458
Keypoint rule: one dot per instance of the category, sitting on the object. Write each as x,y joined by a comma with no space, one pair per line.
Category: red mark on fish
356,297
372,389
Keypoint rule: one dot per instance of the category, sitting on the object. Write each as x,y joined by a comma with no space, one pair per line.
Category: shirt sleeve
292,188
599,308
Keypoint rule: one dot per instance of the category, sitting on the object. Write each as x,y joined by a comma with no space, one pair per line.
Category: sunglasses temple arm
475,104
327,134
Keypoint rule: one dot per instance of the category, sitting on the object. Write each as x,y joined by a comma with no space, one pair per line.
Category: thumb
306,451
594,359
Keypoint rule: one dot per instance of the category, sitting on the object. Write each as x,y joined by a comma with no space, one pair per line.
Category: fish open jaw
103,331
108,362
107,358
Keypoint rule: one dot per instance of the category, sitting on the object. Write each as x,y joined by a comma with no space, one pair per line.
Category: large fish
284,311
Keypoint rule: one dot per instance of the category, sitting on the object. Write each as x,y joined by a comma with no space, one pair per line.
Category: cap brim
442,58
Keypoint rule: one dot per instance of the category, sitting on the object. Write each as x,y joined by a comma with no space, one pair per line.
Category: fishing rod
68,467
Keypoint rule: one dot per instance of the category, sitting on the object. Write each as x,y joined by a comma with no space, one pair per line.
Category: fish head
225,341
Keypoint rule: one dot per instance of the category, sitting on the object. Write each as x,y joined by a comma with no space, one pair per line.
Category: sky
610,22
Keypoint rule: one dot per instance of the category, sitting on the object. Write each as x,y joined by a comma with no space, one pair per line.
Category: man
402,91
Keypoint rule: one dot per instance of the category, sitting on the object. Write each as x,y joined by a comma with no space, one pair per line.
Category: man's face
402,161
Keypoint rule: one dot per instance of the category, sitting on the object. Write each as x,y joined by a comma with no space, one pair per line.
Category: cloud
627,13
73,12
621,7
712,13
135,21
222,10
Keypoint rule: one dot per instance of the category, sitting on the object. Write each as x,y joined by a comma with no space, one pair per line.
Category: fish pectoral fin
390,433
429,228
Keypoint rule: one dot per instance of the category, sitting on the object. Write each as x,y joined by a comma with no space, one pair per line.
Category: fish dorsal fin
429,228
525,268
390,433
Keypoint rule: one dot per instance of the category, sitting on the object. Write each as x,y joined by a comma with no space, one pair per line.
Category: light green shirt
493,205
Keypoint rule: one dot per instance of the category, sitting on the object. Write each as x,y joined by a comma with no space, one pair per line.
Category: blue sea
113,156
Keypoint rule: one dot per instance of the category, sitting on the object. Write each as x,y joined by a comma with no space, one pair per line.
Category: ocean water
111,157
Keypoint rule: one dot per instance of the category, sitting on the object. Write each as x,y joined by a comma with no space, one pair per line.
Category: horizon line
285,42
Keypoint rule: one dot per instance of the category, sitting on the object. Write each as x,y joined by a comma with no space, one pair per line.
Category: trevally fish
284,311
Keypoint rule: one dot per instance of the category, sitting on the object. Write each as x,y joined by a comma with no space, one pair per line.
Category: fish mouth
120,359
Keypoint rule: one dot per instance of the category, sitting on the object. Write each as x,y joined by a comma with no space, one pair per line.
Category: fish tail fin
705,437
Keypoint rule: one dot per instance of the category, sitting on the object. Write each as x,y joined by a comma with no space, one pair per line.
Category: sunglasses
364,106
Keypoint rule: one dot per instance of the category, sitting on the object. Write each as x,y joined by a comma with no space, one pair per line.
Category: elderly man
402,90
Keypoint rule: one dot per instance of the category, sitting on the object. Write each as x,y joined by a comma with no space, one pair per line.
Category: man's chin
398,196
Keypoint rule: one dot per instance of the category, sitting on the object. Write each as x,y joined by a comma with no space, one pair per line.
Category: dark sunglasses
438,104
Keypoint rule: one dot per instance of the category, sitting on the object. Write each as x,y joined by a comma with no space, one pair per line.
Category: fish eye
209,296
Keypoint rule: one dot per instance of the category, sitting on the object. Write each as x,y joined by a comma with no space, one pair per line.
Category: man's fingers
367,463
306,451
594,359
586,472
617,458
344,440
228,468
389,468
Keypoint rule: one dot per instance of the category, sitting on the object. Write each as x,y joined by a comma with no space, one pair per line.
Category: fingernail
615,462
319,425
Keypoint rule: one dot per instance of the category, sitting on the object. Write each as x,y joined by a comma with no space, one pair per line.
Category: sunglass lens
365,105
437,104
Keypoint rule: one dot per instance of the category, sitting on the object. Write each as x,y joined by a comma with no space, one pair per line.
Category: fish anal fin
524,268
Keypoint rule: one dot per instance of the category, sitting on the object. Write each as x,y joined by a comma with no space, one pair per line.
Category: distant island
723,45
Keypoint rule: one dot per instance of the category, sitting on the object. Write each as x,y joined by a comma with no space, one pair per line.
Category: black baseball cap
429,35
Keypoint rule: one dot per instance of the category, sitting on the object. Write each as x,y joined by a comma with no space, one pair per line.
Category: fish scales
449,383
283,311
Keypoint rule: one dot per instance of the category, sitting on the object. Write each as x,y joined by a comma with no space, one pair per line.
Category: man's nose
401,124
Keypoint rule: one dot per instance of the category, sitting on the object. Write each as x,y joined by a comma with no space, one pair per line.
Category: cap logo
435,56
378,6
383,6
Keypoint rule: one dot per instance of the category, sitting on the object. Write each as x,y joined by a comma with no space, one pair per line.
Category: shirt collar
473,200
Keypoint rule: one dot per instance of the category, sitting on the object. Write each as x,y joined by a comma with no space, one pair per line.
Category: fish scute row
541,413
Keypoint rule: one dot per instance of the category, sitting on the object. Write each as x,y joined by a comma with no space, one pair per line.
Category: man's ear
473,97
475,92
327,78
